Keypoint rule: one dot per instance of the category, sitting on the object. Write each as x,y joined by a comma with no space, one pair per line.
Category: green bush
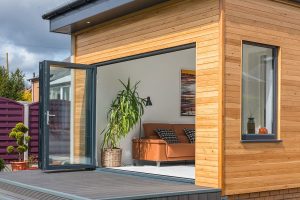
2,164
10,149
18,133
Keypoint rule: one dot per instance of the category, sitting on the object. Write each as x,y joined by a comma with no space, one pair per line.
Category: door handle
48,116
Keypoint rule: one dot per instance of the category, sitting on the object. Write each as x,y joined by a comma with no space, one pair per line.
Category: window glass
258,90
55,93
66,93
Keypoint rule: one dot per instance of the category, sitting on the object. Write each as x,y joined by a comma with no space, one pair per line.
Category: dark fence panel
11,113
33,124
59,128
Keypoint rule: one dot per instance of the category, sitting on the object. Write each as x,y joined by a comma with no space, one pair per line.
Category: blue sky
26,37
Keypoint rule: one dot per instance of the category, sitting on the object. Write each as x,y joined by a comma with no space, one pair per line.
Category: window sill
260,138
262,141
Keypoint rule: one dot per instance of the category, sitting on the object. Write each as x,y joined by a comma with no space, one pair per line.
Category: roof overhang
81,14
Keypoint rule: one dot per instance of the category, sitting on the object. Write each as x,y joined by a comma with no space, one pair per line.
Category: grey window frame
267,137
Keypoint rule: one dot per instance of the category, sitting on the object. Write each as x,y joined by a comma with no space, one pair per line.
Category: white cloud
27,61
26,37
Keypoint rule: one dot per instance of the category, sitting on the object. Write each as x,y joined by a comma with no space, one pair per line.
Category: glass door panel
68,120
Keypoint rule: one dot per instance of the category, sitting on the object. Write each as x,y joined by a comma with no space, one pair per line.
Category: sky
25,36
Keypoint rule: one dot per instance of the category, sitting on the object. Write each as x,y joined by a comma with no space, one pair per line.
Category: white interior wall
160,79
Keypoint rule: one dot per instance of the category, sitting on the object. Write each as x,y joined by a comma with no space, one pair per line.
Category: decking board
106,185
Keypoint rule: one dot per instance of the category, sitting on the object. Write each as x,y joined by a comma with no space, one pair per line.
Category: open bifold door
67,116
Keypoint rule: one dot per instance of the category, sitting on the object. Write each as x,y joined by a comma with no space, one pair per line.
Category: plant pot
111,157
251,125
16,166
32,168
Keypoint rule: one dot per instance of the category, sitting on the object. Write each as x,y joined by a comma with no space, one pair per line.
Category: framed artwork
188,91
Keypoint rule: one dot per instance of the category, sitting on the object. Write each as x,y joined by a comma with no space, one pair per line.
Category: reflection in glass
67,122
258,89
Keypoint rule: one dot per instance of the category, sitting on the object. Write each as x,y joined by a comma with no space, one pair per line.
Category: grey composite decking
97,185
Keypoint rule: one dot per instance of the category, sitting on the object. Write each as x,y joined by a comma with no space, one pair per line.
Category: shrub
2,164
18,133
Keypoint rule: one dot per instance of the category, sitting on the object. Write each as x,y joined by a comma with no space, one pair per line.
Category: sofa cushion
190,133
149,129
178,128
168,135
180,150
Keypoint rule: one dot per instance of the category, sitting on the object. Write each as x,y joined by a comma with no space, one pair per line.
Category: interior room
168,81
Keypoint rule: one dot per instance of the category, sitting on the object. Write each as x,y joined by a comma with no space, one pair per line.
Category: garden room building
226,68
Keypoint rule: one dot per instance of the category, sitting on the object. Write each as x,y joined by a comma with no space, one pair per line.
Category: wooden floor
96,185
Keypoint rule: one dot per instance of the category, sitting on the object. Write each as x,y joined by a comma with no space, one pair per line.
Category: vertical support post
26,123
72,89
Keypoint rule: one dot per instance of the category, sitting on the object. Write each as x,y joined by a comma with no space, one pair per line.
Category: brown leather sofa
152,148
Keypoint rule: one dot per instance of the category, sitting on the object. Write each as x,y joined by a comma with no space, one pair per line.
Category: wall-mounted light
148,101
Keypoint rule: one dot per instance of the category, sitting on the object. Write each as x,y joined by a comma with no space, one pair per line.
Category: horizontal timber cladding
170,24
255,167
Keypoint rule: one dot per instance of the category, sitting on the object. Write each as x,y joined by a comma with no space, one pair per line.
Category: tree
4,79
27,95
12,85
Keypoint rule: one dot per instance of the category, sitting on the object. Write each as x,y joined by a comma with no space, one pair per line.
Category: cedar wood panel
253,167
247,167
166,25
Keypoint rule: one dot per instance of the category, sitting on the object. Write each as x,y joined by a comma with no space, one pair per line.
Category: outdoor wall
79,115
35,91
160,79
255,167
170,24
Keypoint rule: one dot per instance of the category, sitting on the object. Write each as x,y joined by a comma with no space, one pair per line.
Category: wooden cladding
171,24
218,28
262,166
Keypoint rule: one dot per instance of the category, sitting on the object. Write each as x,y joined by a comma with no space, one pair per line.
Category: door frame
44,88
93,88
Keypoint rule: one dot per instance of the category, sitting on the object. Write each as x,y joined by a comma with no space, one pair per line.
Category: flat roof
60,10
80,14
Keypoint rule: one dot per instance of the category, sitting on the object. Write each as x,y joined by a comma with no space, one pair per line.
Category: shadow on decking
99,184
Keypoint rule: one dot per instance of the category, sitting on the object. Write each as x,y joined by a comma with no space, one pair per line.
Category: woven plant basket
111,157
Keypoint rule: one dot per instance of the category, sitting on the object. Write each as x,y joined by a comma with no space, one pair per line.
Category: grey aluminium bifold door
67,116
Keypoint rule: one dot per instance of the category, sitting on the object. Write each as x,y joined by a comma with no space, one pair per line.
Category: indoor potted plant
125,111
18,133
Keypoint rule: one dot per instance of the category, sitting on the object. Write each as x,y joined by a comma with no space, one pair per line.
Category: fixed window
259,91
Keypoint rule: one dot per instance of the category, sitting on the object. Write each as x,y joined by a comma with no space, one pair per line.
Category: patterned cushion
190,133
167,135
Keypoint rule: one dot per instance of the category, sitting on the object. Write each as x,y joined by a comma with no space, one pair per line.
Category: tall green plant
125,111
18,133
12,85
